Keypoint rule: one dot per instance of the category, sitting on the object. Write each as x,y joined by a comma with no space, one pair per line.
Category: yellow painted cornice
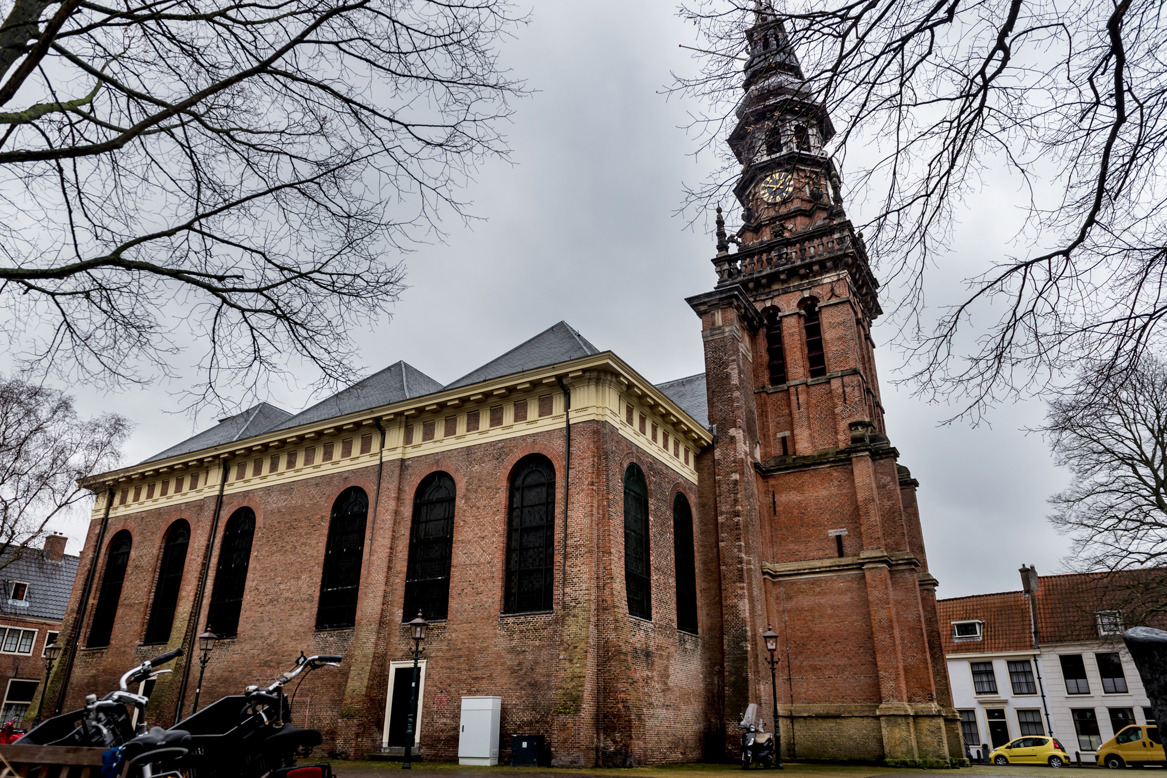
604,362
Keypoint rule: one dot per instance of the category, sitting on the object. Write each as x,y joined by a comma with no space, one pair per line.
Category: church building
601,553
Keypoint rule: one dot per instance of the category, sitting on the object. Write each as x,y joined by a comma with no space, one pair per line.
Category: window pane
637,579
117,558
11,640
1029,721
340,578
984,681
1074,671
431,544
27,636
1021,677
1086,726
1110,668
231,574
531,537
775,355
1121,717
968,728
169,579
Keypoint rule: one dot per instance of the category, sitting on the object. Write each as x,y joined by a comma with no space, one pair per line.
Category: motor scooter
757,744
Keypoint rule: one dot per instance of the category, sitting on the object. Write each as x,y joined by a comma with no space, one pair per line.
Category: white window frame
4,639
980,625
12,591
1106,618
48,642
8,690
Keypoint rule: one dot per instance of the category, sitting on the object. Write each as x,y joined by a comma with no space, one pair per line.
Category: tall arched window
815,358
775,355
340,580
169,579
637,580
686,564
531,537
431,542
231,574
117,558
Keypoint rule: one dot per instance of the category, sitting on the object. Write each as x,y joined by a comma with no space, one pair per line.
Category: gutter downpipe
199,593
83,606
1029,585
566,482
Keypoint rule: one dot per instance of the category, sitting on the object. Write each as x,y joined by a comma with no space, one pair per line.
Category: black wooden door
399,709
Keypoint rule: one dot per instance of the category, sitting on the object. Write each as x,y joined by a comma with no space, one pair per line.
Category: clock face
776,187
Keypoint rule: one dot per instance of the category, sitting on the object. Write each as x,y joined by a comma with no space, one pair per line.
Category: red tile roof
1065,607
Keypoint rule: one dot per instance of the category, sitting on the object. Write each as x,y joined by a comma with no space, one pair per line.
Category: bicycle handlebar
143,670
309,663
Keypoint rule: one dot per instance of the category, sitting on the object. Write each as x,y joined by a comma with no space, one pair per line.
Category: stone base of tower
922,734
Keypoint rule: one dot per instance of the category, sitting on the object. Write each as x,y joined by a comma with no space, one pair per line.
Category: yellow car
1134,745
1031,750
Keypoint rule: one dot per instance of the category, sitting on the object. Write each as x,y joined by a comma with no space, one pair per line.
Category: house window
530,579
1086,727
968,728
686,564
117,558
775,355
17,641
1110,668
17,591
1149,715
1029,722
1109,623
231,574
967,630
637,579
431,544
340,578
50,638
169,579
816,360
1120,718
1074,671
1021,677
17,699
984,682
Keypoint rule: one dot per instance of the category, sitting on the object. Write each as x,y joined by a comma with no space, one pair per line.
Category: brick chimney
54,548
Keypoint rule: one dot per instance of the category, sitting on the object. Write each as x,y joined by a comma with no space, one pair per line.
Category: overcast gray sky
580,227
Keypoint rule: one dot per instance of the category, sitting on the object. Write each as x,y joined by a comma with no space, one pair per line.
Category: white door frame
393,668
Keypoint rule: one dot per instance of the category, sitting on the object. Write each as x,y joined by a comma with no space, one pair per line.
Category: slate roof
558,343
254,421
1065,607
689,393
399,381
49,584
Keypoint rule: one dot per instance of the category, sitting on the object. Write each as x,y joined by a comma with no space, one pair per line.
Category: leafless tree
1113,440
232,177
1065,101
45,447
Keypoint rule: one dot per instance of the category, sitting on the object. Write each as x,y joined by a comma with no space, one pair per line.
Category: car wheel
1001,759
1114,762
1055,761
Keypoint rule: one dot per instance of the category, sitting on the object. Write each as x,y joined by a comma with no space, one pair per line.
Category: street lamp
52,651
206,645
771,638
417,628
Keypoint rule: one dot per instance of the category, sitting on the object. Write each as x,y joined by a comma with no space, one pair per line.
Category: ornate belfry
818,530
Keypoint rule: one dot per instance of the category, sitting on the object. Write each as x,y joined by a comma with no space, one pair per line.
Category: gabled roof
399,381
689,393
49,584
559,343
1065,606
254,421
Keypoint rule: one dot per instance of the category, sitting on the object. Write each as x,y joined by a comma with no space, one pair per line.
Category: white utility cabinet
478,735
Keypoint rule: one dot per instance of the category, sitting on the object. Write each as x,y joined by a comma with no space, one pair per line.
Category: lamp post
771,638
206,645
52,651
417,628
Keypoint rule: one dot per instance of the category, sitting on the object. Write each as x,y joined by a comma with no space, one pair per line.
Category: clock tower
818,531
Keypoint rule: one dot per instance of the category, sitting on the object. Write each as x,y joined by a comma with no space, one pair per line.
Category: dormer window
968,630
1109,623
17,591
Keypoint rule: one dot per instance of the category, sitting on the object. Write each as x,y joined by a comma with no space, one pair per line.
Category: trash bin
525,750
